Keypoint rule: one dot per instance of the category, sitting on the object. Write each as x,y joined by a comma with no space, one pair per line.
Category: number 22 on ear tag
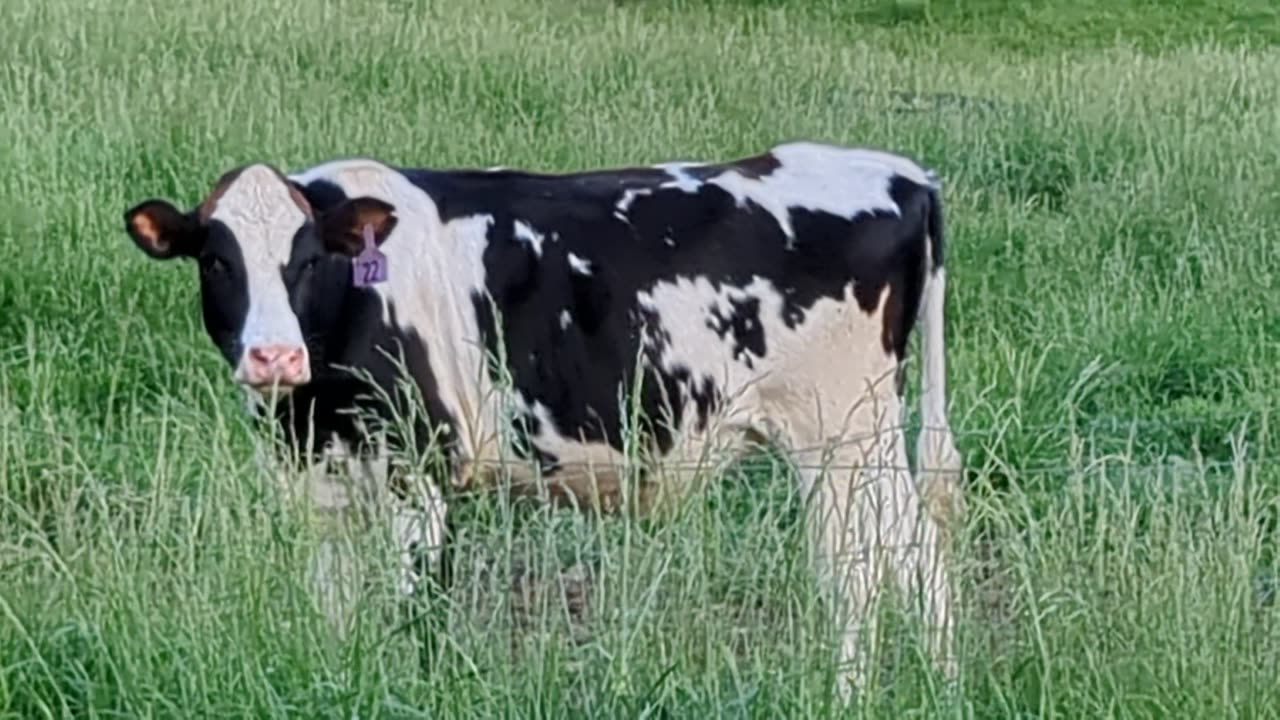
370,266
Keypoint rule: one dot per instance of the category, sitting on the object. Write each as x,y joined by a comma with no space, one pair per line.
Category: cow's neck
456,345
434,267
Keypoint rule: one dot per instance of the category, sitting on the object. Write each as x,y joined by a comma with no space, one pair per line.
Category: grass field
1113,176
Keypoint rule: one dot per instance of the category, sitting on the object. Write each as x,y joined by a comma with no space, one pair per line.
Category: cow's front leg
321,489
419,533
419,512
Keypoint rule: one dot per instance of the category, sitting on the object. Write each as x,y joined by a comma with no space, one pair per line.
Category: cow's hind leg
848,562
867,516
920,568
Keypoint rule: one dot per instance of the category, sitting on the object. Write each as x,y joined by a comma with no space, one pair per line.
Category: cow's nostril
277,362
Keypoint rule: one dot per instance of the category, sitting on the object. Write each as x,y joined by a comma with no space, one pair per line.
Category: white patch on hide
529,236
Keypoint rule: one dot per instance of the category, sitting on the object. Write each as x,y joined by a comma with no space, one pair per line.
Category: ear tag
370,266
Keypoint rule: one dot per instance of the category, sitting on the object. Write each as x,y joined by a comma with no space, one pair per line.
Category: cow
555,327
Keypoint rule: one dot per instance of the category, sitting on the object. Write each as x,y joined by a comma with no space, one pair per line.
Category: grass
1111,171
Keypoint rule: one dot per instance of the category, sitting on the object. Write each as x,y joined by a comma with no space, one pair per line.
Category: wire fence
834,456
1000,427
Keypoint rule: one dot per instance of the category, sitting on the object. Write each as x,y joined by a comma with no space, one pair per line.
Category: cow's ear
342,227
163,231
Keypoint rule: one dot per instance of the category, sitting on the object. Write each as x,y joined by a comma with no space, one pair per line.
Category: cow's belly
826,377
595,474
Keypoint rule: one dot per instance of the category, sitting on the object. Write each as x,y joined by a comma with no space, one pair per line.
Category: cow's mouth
269,390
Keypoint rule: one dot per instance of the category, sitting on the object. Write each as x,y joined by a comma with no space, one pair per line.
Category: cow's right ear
163,231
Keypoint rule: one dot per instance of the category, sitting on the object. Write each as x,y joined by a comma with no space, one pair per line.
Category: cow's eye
211,265
310,264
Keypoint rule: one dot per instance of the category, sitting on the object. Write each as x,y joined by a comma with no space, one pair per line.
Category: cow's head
273,270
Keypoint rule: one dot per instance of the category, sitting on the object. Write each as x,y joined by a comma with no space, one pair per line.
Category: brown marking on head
757,167
210,204
295,193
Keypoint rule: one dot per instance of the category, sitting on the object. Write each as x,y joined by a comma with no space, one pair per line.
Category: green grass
1113,176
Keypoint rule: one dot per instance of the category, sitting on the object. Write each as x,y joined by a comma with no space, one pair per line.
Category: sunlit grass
1112,340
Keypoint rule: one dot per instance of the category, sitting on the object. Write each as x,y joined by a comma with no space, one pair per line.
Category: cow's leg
848,500
866,517
697,459
846,561
349,490
419,535
298,478
418,530
331,574
332,569
921,569
381,491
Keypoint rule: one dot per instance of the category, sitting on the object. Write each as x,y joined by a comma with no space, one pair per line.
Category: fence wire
999,428
835,457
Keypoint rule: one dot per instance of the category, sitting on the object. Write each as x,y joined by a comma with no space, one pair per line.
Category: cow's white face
259,213
273,273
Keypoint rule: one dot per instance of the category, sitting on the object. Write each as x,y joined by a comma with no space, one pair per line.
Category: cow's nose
284,365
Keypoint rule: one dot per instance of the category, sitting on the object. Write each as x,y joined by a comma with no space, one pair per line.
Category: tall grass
1113,362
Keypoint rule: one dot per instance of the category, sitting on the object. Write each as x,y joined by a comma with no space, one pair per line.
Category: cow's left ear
342,227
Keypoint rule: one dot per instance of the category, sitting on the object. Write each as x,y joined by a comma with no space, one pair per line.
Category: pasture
1112,178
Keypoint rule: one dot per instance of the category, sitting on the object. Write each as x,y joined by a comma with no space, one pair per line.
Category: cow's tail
937,460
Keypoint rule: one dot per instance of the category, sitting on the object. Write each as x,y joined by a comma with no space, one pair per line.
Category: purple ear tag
370,266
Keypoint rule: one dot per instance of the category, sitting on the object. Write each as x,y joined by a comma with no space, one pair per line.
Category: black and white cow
767,297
